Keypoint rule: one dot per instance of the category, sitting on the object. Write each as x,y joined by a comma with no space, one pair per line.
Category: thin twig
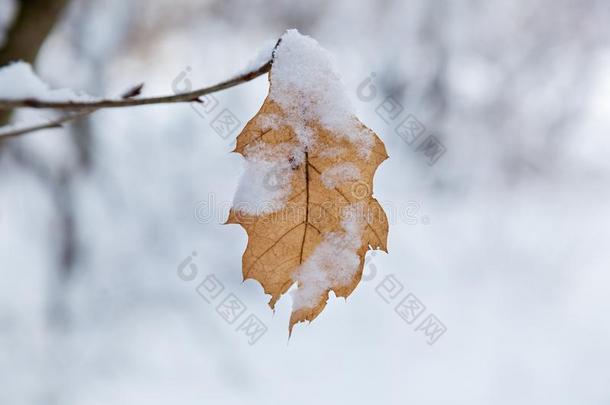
88,107
49,125
175,98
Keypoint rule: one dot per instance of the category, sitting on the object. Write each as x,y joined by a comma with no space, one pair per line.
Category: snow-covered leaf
305,199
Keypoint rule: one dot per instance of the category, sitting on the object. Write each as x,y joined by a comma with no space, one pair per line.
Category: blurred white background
506,246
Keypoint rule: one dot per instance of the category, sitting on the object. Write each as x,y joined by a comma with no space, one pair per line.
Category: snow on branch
21,88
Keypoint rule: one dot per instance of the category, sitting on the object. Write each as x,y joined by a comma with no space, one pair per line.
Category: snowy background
503,239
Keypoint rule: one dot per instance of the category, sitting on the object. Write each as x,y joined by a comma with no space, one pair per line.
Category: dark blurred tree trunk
34,21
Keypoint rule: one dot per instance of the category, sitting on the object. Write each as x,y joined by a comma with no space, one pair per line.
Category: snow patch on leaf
339,174
269,122
307,85
334,263
332,152
265,184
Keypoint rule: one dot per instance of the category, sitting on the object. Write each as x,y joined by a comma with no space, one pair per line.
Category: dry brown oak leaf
281,242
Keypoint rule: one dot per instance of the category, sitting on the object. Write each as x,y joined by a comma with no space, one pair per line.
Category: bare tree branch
175,98
85,108
17,131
